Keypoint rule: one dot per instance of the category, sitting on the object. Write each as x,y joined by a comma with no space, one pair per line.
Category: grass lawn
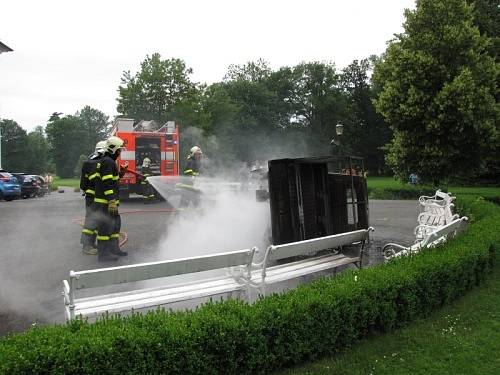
461,338
390,182
71,182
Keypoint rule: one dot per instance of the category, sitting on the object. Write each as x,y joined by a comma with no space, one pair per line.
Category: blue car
9,187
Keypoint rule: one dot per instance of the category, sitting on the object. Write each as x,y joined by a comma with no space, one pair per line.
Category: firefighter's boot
106,256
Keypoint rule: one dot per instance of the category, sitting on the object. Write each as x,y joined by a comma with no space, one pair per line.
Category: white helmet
196,150
146,162
100,146
113,144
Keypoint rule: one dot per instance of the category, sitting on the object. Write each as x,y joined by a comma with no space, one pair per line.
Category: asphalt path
39,245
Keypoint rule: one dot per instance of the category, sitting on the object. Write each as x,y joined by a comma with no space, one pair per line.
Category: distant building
4,48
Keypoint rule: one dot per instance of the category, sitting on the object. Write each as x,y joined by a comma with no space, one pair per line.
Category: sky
68,54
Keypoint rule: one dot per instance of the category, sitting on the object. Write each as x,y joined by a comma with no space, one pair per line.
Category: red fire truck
147,139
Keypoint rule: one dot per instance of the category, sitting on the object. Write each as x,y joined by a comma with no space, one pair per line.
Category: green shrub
407,192
414,192
280,330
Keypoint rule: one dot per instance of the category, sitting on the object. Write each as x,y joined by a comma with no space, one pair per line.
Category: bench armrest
391,249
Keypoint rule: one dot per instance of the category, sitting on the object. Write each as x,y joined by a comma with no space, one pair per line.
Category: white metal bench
438,199
268,273
146,298
433,237
437,213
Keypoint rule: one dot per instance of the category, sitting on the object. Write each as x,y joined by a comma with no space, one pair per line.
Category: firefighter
87,185
193,162
192,169
106,201
147,191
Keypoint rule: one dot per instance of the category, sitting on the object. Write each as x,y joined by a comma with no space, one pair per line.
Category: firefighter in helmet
106,201
193,162
87,185
192,169
147,191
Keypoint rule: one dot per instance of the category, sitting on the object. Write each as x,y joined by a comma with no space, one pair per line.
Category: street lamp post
339,130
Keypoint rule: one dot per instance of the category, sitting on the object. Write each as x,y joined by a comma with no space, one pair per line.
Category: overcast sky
68,54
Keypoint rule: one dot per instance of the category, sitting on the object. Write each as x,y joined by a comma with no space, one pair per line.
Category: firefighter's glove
113,207
123,169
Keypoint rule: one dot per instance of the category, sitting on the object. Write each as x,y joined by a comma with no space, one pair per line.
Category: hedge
277,331
414,192
408,192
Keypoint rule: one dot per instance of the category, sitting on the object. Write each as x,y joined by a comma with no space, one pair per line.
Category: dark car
9,187
42,186
28,183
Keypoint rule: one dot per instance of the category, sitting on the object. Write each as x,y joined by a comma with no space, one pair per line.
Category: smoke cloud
227,218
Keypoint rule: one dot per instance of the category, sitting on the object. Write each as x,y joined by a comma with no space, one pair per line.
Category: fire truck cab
147,139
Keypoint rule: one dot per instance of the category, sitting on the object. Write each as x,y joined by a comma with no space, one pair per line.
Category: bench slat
147,271
293,270
143,300
118,297
316,244
443,231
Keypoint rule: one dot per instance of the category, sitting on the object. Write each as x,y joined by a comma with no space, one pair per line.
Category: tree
439,84
64,136
79,165
37,151
251,106
96,125
310,99
252,71
487,19
365,130
14,146
158,91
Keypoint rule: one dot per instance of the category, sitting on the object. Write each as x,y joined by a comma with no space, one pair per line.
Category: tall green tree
37,151
14,146
365,130
65,137
487,19
252,107
311,99
96,125
160,91
439,89
252,71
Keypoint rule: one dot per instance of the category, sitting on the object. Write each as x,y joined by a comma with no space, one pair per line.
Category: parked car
9,187
28,183
42,186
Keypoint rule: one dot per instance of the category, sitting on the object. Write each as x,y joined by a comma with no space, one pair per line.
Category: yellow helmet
146,162
196,150
100,146
113,144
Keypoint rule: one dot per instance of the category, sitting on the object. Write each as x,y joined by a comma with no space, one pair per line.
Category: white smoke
227,219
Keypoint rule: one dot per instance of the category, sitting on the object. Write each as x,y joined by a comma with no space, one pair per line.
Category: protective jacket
192,166
106,188
89,174
87,185
146,172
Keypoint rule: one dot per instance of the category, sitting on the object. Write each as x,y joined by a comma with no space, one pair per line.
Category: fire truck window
149,148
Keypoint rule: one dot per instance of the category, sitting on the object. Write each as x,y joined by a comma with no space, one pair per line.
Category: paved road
39,243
